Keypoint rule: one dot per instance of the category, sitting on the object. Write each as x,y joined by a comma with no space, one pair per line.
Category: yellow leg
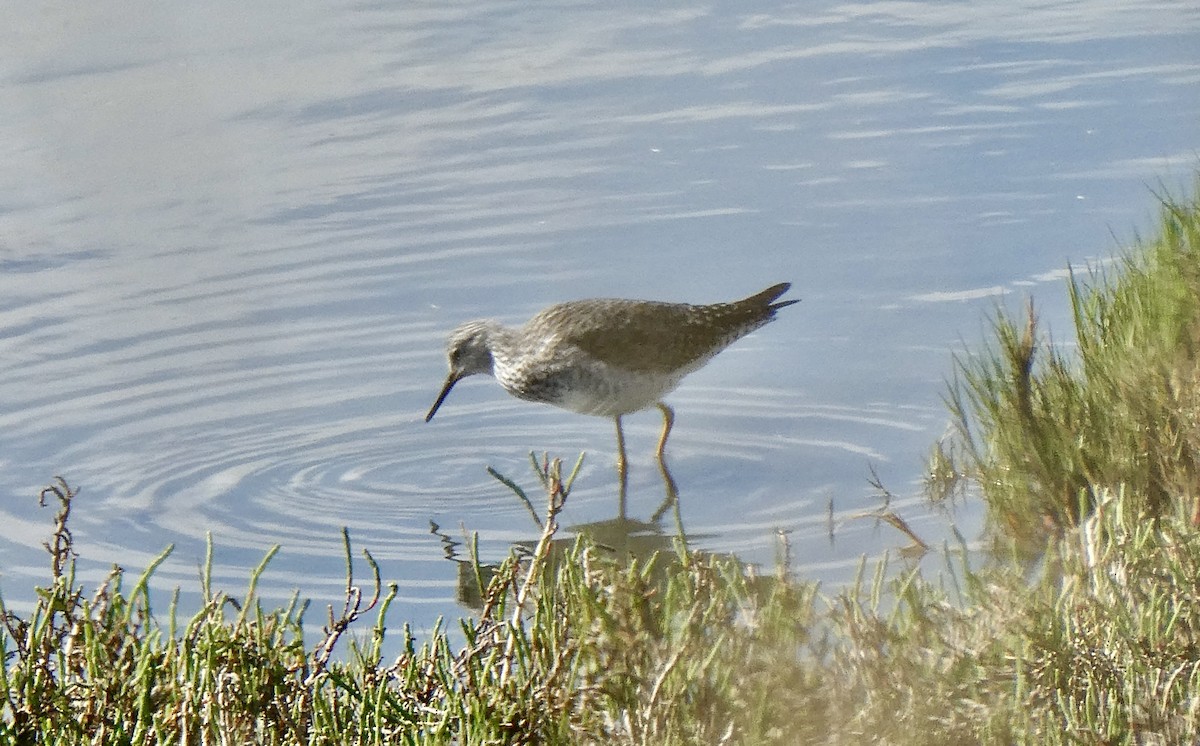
668,422
668,480
622,471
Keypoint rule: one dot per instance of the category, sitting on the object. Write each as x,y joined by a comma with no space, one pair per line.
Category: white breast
616,392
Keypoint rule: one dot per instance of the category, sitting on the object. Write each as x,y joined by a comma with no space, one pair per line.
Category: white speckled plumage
606,357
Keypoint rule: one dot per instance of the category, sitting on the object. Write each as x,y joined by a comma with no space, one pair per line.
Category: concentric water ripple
286,449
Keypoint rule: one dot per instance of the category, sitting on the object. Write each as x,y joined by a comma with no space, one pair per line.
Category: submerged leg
622,472
672,491
620,448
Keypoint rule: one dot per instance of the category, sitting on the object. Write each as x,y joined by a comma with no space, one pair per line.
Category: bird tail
766,298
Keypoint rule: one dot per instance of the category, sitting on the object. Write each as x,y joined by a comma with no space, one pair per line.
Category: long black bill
450,381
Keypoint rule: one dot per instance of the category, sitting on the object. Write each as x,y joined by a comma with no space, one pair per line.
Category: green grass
1080,626
1046,432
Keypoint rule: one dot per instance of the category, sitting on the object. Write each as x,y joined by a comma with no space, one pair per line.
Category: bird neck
502,342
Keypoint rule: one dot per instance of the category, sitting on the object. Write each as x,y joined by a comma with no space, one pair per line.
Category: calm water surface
233,237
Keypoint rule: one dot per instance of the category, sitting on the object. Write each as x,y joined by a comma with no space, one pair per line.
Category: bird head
468,350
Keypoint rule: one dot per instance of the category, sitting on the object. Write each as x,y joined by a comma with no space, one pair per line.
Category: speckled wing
653,337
